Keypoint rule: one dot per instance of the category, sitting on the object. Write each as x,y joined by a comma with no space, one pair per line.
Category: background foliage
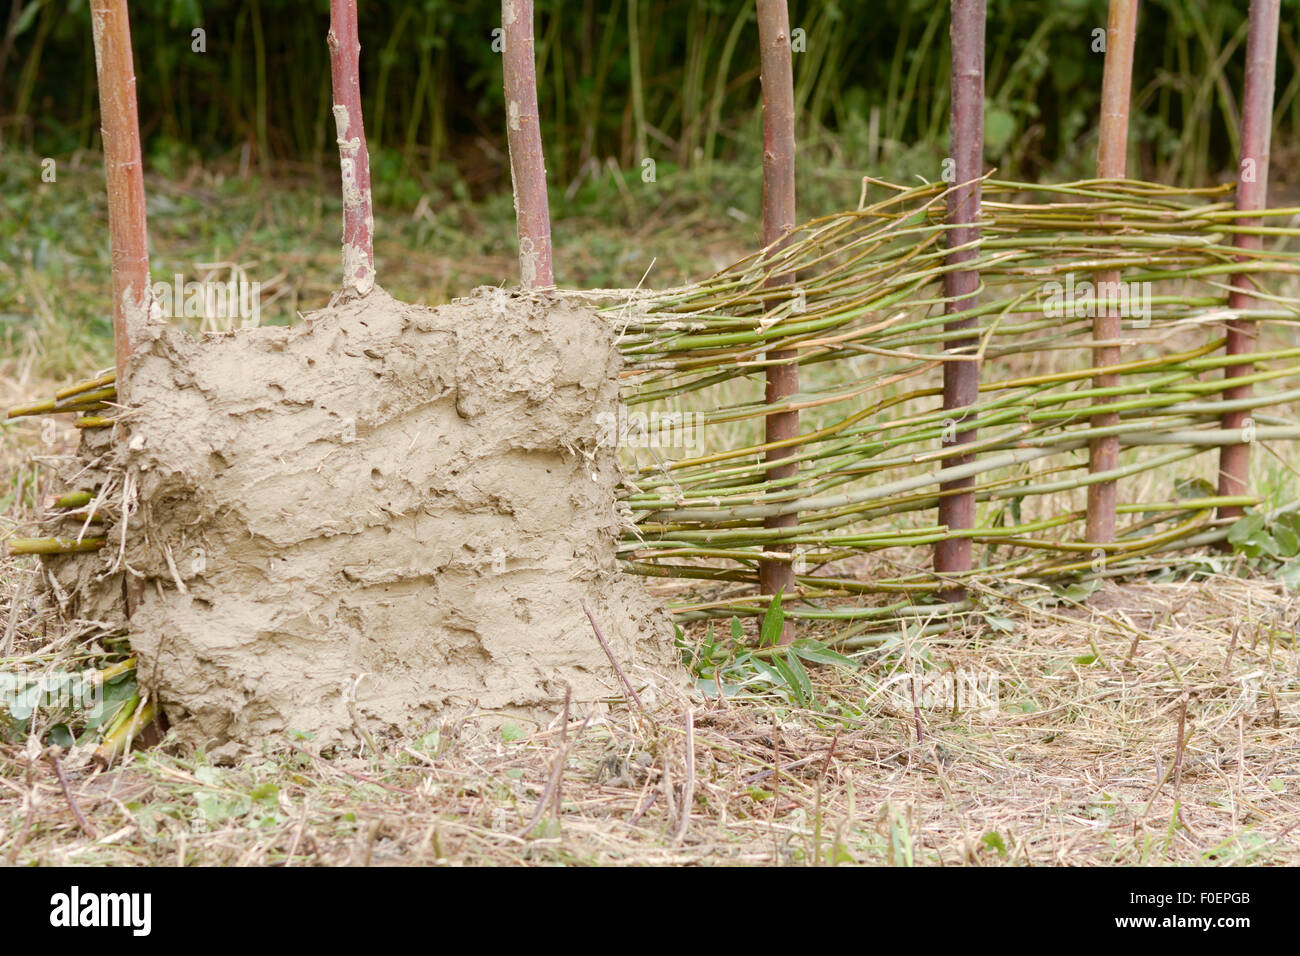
674,80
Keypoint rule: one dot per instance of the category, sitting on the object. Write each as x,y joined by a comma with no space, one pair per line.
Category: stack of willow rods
89,396
871,459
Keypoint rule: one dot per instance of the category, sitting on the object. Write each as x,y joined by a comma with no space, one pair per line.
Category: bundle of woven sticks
864,317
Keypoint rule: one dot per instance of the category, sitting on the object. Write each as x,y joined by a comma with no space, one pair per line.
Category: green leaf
770,672
1194,488
818,653
1245,526
213,808
1289,575
840,855
1002,624
1290,521
773,621
61,736
778,681
1288,544
26,18
1078,591
737,631
1247,535
789,679
993,840
802,681
265,793
114,695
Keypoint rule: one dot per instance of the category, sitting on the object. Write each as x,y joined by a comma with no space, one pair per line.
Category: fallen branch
614,661
688,789
52,756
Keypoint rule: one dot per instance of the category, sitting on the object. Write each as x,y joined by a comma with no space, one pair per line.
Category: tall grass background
622,81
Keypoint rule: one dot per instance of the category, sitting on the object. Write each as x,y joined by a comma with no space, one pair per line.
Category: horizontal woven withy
865,318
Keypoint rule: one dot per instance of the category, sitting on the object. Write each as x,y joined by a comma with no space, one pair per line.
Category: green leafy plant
733,668
81,723
1270,544
993,840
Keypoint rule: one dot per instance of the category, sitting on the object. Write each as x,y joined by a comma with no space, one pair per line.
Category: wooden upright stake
1252,194
961,379
1112,163
354,158
524,137
777,75
124,171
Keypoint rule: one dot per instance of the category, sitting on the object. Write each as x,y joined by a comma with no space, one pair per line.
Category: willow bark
961,378
354,157
1107,325
1252,194
524,137
124,173
777,77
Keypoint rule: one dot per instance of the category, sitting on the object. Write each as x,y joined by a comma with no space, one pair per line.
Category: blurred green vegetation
283,232
625,80
241,166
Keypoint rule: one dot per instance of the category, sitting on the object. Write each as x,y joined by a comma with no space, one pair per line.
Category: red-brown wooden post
354,158
1112,163
524,137
777,76
124,172
961,379
1252,194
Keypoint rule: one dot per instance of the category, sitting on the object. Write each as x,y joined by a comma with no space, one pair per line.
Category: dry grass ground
1079,762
